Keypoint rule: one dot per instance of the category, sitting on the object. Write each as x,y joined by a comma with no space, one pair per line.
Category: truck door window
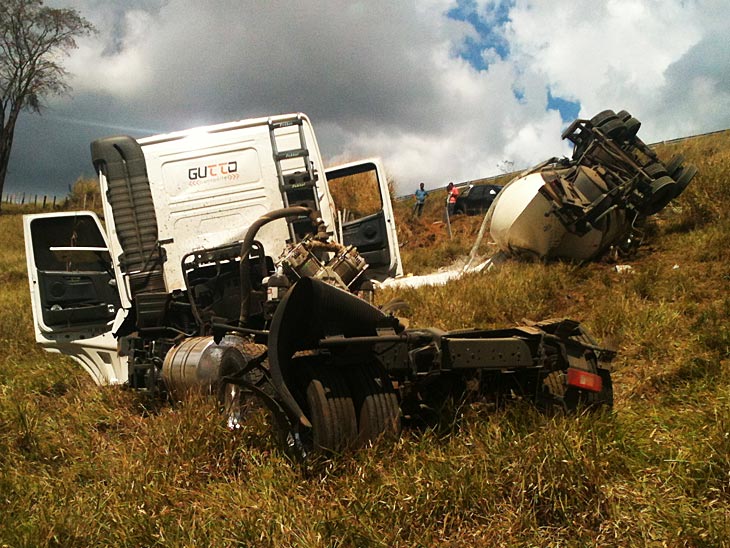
356,195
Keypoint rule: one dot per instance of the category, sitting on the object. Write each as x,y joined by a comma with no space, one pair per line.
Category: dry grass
83,466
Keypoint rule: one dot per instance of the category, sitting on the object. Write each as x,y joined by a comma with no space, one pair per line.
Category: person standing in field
452,195
420,200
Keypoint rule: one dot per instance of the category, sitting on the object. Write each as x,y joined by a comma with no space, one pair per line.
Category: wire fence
41,201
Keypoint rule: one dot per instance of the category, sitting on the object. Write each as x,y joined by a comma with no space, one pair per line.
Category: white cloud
384,78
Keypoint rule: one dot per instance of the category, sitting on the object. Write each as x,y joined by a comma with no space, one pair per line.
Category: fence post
54,201
22,201
45,198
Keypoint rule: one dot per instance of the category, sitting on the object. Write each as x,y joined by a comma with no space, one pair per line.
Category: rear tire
329,408
375,402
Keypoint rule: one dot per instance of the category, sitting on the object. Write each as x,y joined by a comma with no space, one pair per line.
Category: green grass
87,466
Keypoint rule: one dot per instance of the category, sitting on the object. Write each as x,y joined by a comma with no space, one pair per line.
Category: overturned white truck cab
579,209
225,265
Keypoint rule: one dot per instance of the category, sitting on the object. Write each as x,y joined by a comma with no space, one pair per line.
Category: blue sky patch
568,109
487,27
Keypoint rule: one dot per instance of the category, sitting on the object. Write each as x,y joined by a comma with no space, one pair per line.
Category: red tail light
584,379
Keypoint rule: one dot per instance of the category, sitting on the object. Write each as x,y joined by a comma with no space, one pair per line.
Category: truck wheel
331,411
553,392
602,117
662,191
674,164
375,402
656,170
632,128
683,177
613,129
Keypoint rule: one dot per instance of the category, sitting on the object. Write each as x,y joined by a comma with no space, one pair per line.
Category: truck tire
603,117
554,387
330,410
663,191
632,128
683,177
656,170
613,129
674,164
376,404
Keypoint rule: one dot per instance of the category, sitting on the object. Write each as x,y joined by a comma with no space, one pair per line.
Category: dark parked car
476,199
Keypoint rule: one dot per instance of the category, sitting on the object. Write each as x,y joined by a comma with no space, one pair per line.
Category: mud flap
310,311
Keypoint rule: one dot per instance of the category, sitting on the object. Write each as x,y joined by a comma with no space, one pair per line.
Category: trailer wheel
613,129
683,177
674,164
663,190
632,127
656,170
331,411
602,117
375,402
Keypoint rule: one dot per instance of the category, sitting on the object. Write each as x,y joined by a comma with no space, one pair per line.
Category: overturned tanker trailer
578,209
224,268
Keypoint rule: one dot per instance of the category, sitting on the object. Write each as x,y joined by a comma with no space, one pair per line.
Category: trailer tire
632,128
656,170
663,190
376,404
331,410
683,178
674,164
614,129
602,117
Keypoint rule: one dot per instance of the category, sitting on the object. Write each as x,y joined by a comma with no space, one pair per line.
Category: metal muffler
197,365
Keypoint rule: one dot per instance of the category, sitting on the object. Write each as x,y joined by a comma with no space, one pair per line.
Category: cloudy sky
440,89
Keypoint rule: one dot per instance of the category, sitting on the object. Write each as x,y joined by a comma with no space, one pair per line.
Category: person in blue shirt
420,200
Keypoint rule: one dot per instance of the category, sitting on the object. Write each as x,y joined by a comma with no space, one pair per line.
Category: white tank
578,209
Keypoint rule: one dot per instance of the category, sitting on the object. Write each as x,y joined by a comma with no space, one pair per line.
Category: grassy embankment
82,466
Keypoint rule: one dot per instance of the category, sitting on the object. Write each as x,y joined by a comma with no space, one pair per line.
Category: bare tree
33,39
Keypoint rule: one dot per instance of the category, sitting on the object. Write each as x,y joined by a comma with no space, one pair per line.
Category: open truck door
365,215
73,291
